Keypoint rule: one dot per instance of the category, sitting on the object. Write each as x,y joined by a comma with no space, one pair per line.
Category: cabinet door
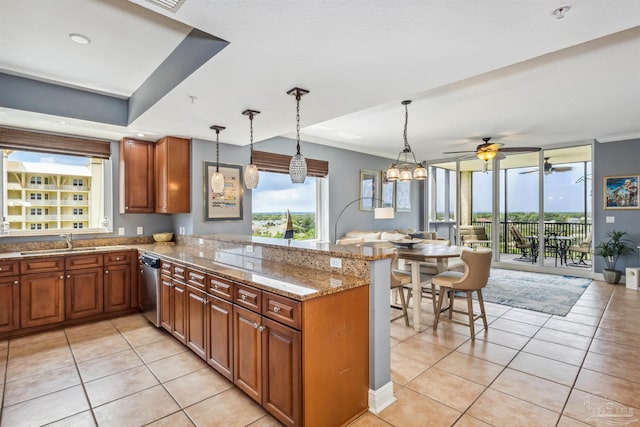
117,288
282,372
41,299
247,352
136,176
166,303
220,334
83,293
196,321
9,303
173,175
179,326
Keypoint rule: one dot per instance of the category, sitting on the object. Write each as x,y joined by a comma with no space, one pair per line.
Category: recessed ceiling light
141,135
560,12
62,122
79,38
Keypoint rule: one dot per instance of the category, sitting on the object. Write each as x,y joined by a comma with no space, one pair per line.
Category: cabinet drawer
179,272
42,265
9,268
116,258
197,278
248,297
220,287
282,309
83,261
166,267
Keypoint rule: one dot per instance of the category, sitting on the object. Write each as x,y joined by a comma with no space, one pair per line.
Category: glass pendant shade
393,174
217,183
298,169
251,176
405,175
486,155
420,173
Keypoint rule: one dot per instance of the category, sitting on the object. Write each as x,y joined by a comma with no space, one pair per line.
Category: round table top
428,250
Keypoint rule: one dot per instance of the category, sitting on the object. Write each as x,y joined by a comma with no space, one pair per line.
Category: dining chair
473,279
584,249
398,282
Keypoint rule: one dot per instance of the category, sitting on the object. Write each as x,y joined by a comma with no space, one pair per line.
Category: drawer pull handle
62,277
0,268
117,258
261,329
276,309
106,272
15,282
216,286
255,326
68,276
243,297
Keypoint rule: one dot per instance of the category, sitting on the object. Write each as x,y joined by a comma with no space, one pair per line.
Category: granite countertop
288,280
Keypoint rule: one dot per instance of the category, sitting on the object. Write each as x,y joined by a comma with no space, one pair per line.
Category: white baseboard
381,398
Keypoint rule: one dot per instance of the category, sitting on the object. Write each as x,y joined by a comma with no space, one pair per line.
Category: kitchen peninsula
307,341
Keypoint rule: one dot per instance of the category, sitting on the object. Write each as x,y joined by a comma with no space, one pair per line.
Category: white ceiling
502,68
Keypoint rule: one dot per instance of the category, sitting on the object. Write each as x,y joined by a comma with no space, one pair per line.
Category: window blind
272,162
18,139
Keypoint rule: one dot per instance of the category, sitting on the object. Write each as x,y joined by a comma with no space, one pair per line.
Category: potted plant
611,249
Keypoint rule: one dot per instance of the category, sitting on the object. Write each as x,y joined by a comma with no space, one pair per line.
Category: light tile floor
528,369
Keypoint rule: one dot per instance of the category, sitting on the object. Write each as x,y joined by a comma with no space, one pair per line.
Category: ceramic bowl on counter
162,237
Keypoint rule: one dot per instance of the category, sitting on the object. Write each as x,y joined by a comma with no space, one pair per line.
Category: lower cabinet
247,352
9,303
41,299
83,293
197,321
179,298
117,287
220,335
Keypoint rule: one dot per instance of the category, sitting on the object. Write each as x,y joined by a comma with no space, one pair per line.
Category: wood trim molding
19,139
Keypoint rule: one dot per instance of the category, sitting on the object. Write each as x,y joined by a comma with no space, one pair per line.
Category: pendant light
217,179
251,174
298,164
401,170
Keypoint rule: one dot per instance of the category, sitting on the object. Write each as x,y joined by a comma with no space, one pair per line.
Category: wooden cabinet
9,302
117,281
83,293
247,352
179,298
136,176
41,299
173,301
196,321
173,175
220,336
166,303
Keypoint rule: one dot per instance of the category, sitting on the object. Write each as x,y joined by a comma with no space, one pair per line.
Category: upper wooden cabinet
155,177
173,175
136,176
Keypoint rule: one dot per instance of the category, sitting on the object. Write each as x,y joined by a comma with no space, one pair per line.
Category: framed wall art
403,196
621,192
368,189
387,191
228,205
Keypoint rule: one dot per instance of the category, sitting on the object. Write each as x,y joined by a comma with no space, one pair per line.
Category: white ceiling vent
172,5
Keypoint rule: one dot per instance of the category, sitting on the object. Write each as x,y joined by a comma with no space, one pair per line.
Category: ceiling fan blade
531,171
562,168
458,152
520,149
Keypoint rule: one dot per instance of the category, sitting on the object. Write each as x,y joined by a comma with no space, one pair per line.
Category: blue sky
269,197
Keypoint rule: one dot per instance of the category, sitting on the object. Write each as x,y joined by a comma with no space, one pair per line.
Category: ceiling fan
487,151
548,168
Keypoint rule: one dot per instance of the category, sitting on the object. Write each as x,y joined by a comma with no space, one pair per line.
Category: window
276,195
55,172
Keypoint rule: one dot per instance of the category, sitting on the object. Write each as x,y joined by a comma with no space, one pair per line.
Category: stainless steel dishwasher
151,287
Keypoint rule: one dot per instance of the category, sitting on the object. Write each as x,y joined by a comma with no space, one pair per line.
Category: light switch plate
611,219
249,249
335,262
120,231
201,241
139,230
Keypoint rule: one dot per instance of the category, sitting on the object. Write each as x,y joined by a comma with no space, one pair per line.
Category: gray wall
615,159
344,175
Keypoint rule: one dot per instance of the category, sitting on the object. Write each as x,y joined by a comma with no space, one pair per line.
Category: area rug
547,293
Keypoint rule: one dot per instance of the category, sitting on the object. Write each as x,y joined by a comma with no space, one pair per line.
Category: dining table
420,253
559,244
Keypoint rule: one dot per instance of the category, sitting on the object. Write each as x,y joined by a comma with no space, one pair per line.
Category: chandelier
217,179
401,169
251,174
298,164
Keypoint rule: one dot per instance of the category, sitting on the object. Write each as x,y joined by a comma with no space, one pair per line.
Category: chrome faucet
68,237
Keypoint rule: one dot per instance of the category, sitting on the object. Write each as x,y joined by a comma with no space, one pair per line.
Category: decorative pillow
370,235
350,241
405,230
419,235
392,236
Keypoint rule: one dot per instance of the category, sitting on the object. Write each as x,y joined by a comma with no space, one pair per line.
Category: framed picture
403,196
387,191
228,205
621,192
368,190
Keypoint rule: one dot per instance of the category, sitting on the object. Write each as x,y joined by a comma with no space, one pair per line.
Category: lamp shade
486,155
405,175
393,173
383,213
217,183
298,169
251,176
420,173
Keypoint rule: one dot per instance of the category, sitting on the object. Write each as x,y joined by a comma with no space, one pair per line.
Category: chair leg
404,306
482,312
433,297
439,308
470,308
451,298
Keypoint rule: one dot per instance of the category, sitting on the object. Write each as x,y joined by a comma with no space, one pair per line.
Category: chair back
517,235
587,240
397,279
477,265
